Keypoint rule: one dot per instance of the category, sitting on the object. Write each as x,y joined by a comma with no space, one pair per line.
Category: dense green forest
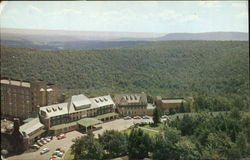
202,136
167,68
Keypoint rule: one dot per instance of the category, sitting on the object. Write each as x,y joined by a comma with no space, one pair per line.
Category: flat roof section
86,122
173,101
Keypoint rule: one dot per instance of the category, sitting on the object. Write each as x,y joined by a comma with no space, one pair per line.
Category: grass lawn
68,155
158,127
151,133
180,115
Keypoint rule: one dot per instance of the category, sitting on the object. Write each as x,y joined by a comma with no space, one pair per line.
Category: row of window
60,120
132,113
133,107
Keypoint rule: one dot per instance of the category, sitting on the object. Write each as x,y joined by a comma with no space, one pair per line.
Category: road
118,124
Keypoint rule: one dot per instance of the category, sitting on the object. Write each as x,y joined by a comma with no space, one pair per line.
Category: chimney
21,82
16,124
9,81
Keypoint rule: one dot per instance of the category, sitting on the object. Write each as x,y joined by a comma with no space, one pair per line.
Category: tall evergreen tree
139,145
156,116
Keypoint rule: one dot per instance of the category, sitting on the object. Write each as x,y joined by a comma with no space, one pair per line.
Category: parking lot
119,124
52,145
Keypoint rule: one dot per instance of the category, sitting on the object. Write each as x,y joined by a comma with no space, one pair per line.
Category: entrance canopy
86,122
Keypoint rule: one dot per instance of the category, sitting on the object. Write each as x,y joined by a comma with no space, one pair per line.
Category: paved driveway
119,124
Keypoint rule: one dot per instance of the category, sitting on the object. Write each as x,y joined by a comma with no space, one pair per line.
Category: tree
186,126
242,144
149,99
161,149
181,108
114,143
217,146
87,147
139,144
172,111
156,116
186,149
171,145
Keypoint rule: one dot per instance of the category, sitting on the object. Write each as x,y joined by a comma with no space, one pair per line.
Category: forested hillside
167,68
77,45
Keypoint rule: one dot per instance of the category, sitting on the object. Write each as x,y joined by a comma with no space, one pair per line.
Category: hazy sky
140,16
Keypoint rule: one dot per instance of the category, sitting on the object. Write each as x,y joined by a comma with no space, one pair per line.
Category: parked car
60,154
56,152
61,136
165,117
63,151
137,117
48,139
54,158
45,150
39,143
44,141
127,118
35,146
145,117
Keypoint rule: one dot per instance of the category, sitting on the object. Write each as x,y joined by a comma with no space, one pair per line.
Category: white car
39,143
137,117
145,117
127,117
44,141
164,116
48,139
35,146
56,152
60,154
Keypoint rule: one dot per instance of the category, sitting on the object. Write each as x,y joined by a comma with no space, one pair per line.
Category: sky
127,16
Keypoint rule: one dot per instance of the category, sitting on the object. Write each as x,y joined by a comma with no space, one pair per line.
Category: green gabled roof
86,122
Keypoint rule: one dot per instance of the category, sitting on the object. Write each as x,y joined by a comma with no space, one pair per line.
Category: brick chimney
16,124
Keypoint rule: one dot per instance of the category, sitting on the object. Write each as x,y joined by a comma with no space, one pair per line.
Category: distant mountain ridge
62,35
59,39
214,36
